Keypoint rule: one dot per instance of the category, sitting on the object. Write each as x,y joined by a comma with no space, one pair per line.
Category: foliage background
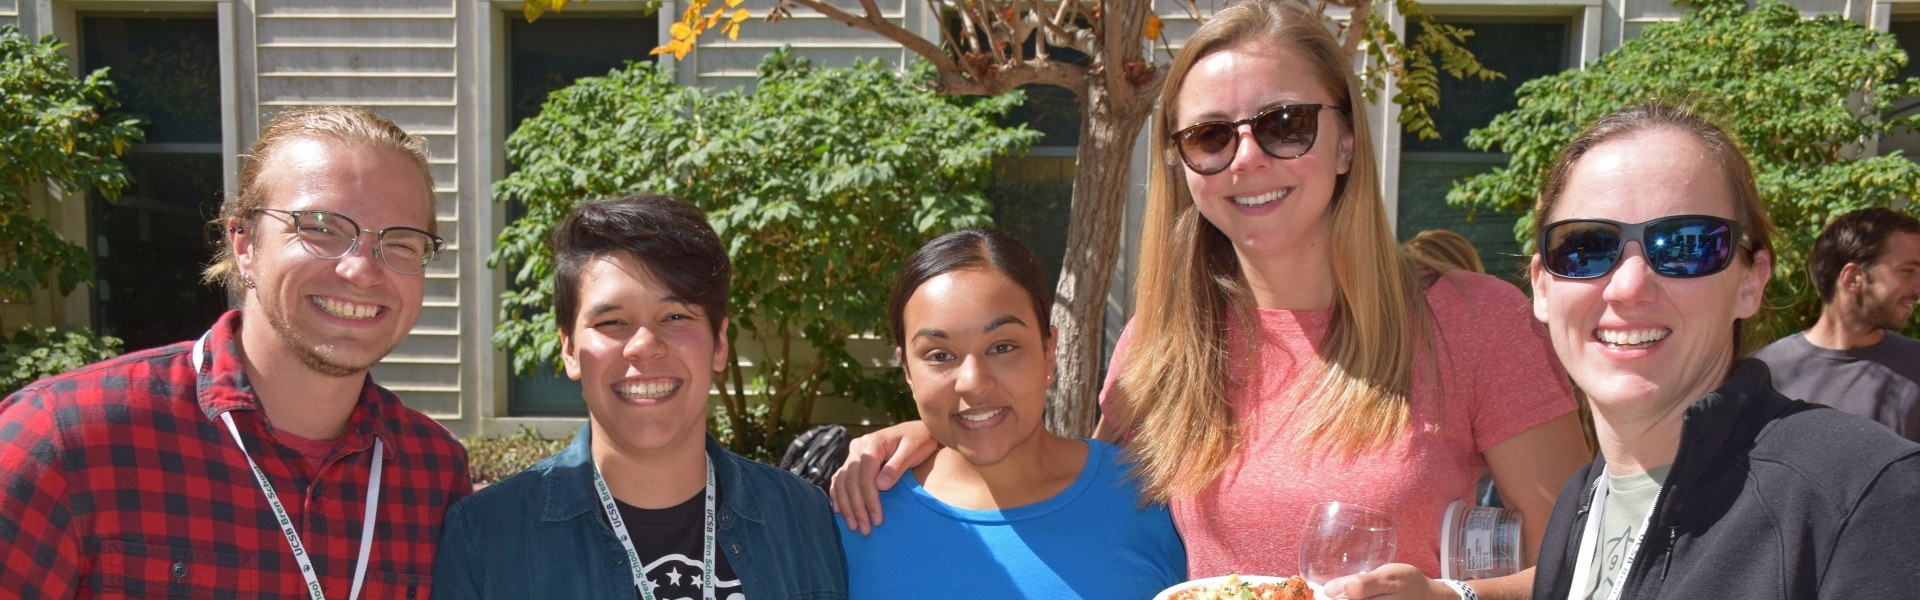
36,352
57,137
1802,95
820,182
493,458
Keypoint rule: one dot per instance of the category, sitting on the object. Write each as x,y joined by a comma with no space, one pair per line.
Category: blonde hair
341,124
1444,249
1175,399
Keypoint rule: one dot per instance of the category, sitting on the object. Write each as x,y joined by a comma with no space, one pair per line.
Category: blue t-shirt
1093,540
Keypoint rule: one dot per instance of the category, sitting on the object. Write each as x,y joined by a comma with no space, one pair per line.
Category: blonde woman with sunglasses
1284,352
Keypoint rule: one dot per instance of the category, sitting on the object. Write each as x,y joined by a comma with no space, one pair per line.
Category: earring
247,281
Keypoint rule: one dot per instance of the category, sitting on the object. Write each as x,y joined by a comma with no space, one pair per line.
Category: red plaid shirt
121,481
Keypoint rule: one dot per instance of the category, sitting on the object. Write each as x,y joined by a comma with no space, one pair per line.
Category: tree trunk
1108,129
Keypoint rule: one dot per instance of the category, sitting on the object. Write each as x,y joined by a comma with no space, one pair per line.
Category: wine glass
1343,538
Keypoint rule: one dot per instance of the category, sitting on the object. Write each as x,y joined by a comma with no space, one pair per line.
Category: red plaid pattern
120,481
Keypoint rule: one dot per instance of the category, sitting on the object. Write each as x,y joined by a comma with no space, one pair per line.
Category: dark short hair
1858,237
669,237
970,248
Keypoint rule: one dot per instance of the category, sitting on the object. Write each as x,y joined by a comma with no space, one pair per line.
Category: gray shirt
1879,382
1629,499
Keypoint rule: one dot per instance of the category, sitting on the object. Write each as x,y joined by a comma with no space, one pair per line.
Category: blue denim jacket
540,534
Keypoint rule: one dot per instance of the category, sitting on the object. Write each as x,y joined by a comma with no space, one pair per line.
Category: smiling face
979,362
1640,343
1892,284
644,358
337,316
1265,205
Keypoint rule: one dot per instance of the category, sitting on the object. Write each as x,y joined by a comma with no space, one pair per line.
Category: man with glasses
259,460
1866,267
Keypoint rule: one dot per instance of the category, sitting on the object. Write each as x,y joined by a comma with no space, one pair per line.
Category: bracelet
1461,588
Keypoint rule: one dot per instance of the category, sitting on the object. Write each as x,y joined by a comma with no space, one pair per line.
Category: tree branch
990,79
1356,26
874,22
1121,29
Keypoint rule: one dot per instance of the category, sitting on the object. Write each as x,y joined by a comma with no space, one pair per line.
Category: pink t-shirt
1502,379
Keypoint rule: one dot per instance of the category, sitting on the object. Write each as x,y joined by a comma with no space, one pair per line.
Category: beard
1882,307
318,357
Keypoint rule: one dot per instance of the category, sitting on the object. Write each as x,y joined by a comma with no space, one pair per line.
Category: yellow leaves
1153,26
695,21
532,9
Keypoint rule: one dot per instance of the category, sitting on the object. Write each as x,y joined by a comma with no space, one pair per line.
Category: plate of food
1243,587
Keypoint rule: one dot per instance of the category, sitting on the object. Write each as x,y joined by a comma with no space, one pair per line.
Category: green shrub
58,135
1799,93
820,182
36,352
491,459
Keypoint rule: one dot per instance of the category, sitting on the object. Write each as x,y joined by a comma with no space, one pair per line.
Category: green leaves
36,352
820,182
1803,96
57,137
1412,64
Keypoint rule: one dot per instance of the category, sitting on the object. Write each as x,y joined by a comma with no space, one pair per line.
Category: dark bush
491,459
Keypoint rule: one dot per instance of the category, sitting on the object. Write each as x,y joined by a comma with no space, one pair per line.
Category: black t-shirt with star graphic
669,541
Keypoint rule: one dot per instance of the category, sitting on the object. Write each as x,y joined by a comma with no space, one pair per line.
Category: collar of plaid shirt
132,487
223,387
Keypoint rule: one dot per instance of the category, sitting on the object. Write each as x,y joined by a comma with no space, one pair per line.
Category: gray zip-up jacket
1768,498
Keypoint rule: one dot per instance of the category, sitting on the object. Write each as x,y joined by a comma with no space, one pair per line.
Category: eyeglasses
330,236
1283,132
1679,246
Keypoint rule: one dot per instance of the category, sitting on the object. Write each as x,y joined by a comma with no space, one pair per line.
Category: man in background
1866,266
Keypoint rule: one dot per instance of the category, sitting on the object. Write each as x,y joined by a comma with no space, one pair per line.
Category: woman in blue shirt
1011,510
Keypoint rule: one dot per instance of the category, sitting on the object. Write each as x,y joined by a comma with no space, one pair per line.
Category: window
1032,195
1522,50
150,245
542,57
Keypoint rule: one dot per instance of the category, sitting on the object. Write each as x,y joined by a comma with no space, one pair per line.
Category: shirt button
736,548
726,517
180,570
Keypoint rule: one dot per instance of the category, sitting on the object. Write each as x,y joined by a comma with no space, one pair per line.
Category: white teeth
1263,198
1630,337
647,391
346,310
982,417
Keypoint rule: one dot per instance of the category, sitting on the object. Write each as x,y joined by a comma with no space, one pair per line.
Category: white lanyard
286,522
633,556
1583,567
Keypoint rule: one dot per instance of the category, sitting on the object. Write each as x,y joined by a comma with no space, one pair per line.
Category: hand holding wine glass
1342,538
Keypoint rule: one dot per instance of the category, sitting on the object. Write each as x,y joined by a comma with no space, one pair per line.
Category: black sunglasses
1678,246
1283,132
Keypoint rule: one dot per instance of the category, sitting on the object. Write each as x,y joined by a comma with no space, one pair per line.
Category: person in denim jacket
643,503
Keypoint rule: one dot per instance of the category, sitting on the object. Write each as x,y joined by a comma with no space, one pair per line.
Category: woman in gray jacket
1654,244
